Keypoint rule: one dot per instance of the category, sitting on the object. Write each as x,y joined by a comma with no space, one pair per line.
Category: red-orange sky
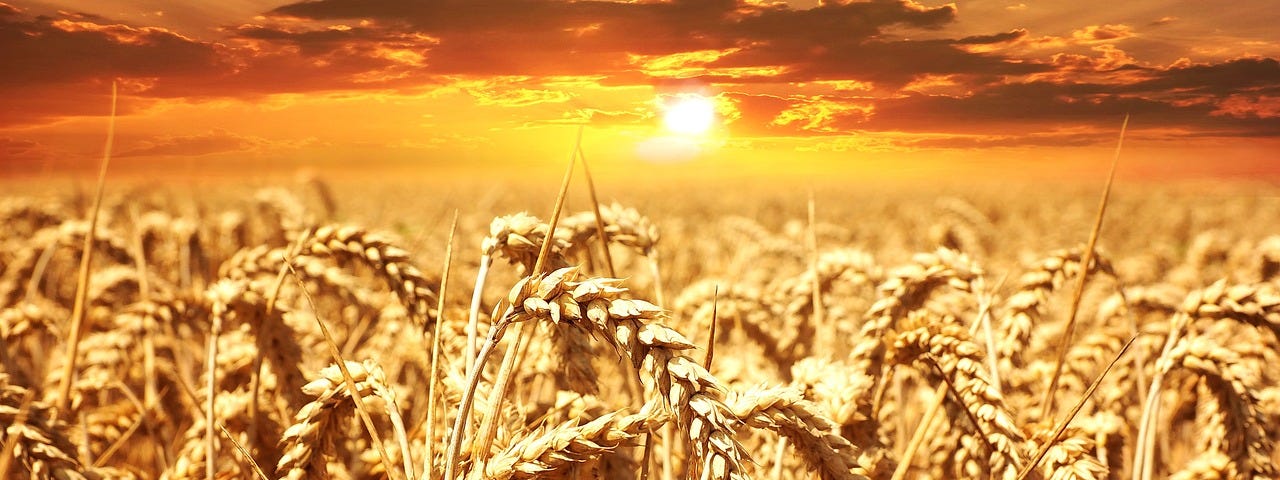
888,86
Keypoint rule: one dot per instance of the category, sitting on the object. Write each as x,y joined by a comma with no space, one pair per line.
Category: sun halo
690,115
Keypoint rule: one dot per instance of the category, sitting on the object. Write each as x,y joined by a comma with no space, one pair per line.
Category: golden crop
889,332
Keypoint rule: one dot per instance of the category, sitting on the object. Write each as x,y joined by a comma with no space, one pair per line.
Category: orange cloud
1246,106
1102,33
519,97
822,115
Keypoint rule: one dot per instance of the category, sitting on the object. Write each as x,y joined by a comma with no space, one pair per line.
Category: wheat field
318,329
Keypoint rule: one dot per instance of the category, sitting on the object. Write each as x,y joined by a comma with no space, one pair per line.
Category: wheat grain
944,344
319,422
545,452
693,396
41,445
785,410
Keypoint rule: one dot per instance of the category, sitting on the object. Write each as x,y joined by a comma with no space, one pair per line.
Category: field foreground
305,327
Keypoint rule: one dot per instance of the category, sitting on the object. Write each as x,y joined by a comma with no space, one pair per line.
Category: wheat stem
86,260
1065,342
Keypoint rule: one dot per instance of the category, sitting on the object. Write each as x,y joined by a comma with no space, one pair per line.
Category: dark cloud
1103,33
1042,106
75,48
543,30
59,66
1235,98
1009,36
896,63
64,65
1223,78
313,42
836,24
37,104
524,37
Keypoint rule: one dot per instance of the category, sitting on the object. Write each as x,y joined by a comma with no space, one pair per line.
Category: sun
691,115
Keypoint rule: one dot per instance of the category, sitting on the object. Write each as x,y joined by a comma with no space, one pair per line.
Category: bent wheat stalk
945,345
317,423
596,306
786,411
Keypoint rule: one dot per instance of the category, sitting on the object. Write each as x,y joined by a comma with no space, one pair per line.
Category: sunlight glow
693,115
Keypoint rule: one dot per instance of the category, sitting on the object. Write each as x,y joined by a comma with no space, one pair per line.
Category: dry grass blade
358,399
711,336
558,209
945,349
218,311
955,393
595,207
272,297
319,424
468,394
464,406
1062,426
473,313
144,295
86,259
115,447
988,334
646,458
811,238
917,437
489,423
244,453
940,392
430,439
1065,342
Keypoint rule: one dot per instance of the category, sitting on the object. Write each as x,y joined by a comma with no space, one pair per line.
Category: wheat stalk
545,452
595,306
944,344
319,421
786,411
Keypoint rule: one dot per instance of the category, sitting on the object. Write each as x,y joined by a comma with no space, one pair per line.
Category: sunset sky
881,86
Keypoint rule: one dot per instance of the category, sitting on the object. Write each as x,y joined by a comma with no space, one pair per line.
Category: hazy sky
1027,85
